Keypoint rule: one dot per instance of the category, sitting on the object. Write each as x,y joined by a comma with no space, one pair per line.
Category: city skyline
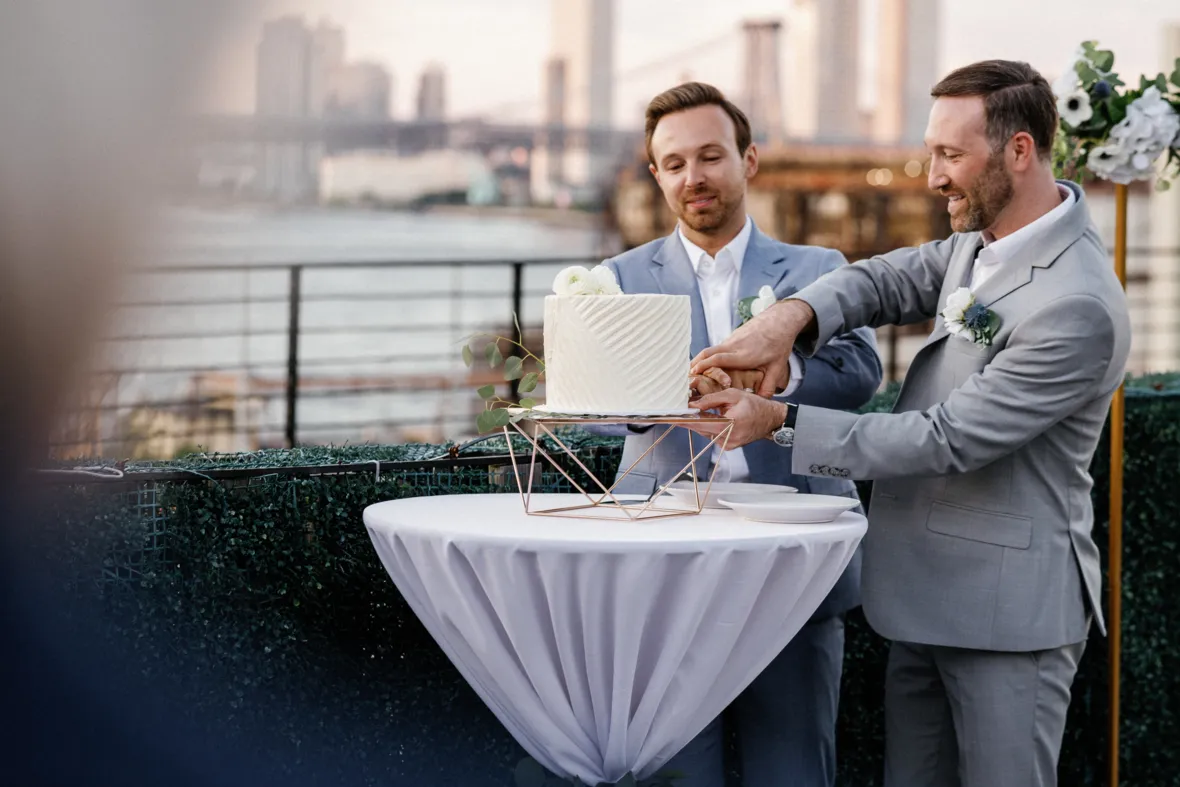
406,38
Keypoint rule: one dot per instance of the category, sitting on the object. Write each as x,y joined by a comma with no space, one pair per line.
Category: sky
493,50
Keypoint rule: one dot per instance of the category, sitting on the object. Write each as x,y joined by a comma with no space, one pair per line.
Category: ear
1024,151
655,173
751,161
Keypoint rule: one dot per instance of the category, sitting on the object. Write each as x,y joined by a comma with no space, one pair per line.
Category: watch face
785,437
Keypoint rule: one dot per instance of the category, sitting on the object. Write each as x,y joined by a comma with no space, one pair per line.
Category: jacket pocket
965,345
973,524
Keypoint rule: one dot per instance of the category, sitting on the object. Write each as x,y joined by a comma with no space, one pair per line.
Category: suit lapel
958,274
762,266
1040,252
674,275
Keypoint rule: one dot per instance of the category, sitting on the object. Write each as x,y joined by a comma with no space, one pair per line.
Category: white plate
792,509
545,409
727,499
683,493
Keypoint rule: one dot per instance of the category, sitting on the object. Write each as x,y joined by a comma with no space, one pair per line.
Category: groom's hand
710,382
763,343
745,379
754,417
717,379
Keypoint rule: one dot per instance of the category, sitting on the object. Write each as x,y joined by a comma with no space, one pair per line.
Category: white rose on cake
574,280
577,280
604,280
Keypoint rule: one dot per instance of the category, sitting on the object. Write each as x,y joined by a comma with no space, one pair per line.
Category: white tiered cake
612,354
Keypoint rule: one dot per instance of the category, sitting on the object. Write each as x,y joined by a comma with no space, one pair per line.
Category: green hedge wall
260,608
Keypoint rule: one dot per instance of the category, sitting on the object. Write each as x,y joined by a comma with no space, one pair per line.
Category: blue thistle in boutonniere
977,318
963,316
751,307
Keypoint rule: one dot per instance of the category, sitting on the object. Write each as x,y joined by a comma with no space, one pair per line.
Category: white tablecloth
604,646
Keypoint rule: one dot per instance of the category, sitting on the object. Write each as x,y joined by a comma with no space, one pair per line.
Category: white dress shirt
996,252
718,279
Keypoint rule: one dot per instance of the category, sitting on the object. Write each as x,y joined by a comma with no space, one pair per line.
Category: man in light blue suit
700,149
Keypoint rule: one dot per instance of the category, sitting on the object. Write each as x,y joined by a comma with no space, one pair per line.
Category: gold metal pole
1117,408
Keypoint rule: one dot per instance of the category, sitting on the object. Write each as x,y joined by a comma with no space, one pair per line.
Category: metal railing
312,336
361,315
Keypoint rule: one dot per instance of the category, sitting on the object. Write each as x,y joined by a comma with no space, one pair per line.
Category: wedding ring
748,390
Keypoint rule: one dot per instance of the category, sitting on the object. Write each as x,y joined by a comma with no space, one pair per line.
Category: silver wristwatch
784,436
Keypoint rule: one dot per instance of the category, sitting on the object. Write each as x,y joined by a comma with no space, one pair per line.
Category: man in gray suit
701,155
978,563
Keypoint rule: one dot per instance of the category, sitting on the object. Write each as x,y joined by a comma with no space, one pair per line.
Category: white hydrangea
1136,142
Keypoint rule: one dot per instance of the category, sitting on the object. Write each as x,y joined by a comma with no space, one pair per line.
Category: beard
987,197
714,217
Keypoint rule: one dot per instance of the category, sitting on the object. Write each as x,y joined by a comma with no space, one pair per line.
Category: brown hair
1015,98
689,96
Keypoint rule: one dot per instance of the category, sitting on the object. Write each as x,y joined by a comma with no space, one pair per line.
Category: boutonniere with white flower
578,280
751,307
964,317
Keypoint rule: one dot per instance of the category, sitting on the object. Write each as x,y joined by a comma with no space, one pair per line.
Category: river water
371,324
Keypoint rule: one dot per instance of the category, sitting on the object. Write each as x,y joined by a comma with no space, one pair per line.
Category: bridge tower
761,97
579,93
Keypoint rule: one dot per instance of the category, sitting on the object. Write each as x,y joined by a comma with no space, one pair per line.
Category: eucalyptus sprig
495,414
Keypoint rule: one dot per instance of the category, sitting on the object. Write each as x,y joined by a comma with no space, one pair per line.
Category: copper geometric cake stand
602,503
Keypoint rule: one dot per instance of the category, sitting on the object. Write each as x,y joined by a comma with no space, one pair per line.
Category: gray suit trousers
964,718
785,719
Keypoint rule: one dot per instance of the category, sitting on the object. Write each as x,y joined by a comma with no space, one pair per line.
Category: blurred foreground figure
89,91
91,94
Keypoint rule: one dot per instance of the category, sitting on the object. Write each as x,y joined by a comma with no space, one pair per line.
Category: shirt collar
736,247
1006,247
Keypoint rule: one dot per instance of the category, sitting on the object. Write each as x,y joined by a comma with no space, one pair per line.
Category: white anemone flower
1075,108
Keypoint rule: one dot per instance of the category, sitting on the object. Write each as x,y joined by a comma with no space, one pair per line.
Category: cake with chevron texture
608,353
